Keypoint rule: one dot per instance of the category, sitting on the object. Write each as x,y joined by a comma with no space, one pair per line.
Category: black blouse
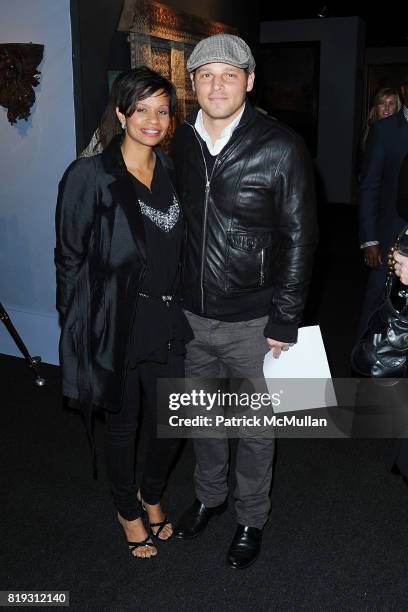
159,324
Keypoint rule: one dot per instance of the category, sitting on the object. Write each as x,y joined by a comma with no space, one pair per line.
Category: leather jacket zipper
207,193
262,267
204,234
204,238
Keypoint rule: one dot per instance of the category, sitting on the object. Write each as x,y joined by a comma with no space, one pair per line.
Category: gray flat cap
224,48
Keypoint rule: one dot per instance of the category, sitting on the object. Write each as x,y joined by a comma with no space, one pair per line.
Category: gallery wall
33,157
340,95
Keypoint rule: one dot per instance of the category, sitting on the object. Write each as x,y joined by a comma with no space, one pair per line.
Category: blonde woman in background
386,102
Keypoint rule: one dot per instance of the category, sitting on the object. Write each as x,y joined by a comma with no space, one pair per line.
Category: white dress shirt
226,133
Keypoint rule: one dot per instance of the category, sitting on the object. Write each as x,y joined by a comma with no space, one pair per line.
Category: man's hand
276,347
401,267
372,256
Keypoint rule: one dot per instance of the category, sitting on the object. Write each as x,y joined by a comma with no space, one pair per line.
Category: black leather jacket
100,259
251,223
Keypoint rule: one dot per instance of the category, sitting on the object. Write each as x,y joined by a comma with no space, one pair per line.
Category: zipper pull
262,267
207,186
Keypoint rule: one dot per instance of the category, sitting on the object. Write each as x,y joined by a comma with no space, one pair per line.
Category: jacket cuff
369,243
283,332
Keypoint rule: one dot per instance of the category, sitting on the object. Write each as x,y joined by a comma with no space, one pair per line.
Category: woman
386,102
119,231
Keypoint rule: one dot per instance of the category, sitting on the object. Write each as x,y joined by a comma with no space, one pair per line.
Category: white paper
307,359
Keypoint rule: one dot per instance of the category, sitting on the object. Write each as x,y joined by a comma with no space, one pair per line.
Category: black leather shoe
245,547
195,519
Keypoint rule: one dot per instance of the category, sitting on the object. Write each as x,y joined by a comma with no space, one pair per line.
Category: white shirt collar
226,133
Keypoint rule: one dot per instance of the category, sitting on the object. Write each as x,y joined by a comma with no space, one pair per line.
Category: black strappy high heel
134,545
161,525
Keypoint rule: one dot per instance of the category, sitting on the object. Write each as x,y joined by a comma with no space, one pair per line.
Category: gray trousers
237,350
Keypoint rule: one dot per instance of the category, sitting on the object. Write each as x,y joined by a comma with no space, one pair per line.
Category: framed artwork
289,76
162,39
383,75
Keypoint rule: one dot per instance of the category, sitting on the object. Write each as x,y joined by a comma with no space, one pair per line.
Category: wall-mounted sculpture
19,74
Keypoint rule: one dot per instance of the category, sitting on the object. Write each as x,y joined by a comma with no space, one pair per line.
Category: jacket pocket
248,260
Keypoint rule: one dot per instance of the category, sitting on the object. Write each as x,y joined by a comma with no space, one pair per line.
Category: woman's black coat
100,259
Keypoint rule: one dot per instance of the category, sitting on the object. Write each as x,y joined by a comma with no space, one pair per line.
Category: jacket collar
123,192
112,157
248,117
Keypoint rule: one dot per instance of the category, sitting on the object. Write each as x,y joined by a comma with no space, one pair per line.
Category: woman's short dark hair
141,83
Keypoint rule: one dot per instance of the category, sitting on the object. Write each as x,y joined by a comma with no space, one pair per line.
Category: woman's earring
123,124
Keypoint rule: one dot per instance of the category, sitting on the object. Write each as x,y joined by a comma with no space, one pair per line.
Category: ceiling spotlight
323,11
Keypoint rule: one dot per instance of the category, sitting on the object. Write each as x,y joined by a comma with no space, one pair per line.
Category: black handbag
382,352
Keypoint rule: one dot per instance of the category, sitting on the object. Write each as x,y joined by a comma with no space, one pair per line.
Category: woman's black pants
120,438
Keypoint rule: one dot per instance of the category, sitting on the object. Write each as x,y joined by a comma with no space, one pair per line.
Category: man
245,183
379,221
